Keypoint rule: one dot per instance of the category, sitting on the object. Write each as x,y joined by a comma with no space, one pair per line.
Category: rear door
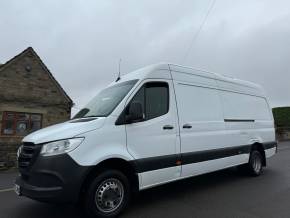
154,142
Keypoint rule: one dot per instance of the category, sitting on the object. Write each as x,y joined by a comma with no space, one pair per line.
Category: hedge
282,116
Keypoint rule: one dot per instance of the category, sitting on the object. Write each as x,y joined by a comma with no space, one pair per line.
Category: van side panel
225,119
247,114
244,107
204,147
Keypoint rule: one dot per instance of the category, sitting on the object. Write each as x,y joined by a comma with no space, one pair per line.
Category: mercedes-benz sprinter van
156,125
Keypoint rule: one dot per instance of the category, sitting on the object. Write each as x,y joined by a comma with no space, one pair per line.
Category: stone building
30,99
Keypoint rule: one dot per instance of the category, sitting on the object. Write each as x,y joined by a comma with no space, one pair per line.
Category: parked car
159,124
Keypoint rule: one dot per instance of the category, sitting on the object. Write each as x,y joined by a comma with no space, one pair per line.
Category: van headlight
60,147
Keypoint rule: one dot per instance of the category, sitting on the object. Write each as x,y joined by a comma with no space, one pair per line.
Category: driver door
154,140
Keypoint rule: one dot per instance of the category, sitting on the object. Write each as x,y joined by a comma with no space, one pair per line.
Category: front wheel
255,165
108,194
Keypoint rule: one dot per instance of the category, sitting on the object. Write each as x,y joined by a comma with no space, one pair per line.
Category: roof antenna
119,75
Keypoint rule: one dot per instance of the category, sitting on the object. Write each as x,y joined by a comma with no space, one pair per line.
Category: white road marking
6,190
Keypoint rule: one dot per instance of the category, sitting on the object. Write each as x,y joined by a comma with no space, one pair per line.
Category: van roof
160,70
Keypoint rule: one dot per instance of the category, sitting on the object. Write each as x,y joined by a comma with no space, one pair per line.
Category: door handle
187,126
167,127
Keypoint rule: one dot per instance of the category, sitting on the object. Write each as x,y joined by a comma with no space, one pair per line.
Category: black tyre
255,165
107,195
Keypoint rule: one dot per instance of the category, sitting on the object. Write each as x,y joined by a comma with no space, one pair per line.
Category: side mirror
135,113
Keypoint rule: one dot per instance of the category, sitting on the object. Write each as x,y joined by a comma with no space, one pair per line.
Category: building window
20,124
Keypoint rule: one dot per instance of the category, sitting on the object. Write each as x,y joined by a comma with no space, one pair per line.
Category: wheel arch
120,164
257,146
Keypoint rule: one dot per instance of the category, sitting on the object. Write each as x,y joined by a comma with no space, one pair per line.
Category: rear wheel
108,194
255,165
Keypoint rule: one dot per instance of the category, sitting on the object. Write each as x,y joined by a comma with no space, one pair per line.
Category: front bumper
56,179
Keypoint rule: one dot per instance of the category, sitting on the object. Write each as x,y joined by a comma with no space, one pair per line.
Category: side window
140,97
154,98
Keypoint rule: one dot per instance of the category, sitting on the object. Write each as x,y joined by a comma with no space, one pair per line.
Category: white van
156,125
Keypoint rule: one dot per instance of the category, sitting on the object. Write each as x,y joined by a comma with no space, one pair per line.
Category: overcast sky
82,41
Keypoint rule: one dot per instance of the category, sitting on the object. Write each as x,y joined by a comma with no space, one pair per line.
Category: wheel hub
109,195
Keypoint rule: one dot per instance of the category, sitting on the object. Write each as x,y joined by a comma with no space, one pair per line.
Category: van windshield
106,101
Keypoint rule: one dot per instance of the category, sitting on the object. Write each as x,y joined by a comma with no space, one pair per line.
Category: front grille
27,155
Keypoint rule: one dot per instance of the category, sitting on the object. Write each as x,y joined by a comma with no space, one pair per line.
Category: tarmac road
226,193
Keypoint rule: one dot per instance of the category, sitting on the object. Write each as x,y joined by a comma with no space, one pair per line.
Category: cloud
81,42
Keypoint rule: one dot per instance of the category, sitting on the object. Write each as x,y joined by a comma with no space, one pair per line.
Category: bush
282,116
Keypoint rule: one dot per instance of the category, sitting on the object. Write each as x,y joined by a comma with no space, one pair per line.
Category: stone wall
8,150
26,80
283,136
